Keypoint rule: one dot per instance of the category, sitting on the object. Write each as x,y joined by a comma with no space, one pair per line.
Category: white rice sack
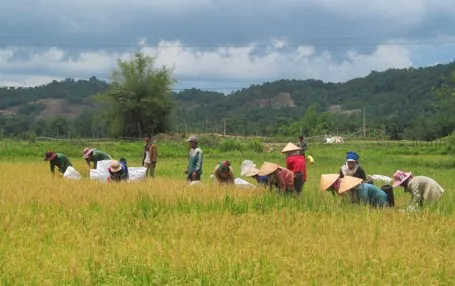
137,173
72,174
382,178
242,183
103,165
246,165
99,175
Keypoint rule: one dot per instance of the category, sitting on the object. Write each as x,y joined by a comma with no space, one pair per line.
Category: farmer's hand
186,171
194,175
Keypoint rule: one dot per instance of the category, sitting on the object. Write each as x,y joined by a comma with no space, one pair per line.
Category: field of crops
163,231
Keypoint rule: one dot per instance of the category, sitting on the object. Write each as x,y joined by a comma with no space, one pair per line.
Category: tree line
403,103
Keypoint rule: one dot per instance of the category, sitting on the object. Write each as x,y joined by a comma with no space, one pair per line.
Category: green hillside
401,102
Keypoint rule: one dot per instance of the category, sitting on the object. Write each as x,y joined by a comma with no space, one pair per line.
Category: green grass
165,232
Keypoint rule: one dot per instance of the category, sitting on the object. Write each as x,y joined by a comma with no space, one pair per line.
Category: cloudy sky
222,44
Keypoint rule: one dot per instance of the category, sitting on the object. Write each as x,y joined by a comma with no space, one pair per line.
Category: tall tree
140,97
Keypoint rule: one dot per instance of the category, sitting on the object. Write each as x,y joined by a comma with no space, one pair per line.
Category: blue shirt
263,180
121,175
372,195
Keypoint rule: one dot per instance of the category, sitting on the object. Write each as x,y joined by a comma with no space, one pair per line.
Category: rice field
164,232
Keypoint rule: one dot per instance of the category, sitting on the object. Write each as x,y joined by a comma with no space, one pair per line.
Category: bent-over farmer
93,155
59,160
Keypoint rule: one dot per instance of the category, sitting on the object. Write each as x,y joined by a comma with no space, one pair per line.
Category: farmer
421,188
95,156
254,173
311,159
278,176
296,163
150,155
352,167
366,193
194,168
302,145
118,171
224,173
57,159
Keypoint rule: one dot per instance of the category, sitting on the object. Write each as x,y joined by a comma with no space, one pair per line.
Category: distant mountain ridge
396,97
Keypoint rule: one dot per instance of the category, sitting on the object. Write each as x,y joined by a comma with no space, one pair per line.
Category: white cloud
222,64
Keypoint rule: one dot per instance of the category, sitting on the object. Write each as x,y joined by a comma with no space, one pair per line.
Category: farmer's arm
417,198
362,174
231,176
52,166
153,154
143,158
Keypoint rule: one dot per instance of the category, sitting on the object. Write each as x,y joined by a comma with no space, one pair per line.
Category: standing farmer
296,163
93,155
194,168
302,144
57,159
150,155
421,187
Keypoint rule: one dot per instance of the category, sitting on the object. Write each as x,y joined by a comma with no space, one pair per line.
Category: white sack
382,178
102,171
242,183
99,175
246,165
72,174
137,173
103,165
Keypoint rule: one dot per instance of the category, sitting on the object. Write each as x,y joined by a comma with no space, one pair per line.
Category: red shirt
297,163
285,179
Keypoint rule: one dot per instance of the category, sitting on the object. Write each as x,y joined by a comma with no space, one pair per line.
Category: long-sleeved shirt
285,180
224,177
98,155
423,188
195,161
297,163
372,195
61,161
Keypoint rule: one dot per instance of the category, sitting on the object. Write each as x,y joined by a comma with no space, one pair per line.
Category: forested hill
402,102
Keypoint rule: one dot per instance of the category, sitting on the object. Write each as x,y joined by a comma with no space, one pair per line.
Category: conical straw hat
252,172
327,180
348,182
267,168
290,147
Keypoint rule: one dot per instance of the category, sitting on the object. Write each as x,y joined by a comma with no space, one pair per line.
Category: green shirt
61,161
99,156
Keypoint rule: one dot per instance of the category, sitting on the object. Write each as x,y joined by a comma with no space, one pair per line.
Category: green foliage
313,123
139,100
31,108
404,103
230,145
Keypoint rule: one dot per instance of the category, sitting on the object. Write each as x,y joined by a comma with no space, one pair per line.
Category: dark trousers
191,179
298,182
